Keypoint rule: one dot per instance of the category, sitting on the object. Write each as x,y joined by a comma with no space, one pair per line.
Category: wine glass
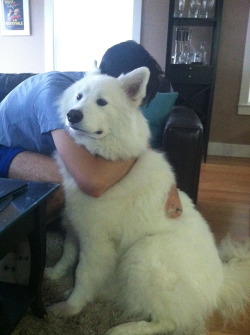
180,8
203,52
210,7
204,9
194,8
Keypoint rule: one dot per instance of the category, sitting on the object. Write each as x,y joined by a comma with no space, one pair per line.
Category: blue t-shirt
29,113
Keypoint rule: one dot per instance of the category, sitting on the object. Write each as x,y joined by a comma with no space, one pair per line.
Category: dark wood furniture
194,81
24,216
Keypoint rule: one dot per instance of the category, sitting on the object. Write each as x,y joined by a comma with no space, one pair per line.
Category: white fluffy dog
167,272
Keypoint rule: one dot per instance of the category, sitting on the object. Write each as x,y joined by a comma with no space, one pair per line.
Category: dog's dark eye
101,102
79,96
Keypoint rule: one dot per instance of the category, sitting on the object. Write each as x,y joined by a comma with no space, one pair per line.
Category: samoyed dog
166,272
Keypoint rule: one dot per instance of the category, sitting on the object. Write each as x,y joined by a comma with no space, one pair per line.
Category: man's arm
93,174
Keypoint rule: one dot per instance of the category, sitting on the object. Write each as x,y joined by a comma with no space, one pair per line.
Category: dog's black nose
74,116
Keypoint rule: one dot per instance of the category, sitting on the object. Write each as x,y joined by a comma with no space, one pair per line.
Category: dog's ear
135,83
93,69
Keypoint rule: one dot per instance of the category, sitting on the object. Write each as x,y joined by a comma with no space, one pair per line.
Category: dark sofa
181,140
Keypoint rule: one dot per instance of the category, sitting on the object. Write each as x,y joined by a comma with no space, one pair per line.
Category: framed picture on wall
15,19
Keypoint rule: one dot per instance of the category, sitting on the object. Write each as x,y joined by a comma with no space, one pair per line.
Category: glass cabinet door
191,45
192,34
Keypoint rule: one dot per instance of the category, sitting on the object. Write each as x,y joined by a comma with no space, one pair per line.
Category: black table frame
16,299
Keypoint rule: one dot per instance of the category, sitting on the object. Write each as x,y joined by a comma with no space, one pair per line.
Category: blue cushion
157,113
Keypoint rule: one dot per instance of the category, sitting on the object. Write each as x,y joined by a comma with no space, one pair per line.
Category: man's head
127,56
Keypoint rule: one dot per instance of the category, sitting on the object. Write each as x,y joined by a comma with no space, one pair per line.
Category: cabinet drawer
191,74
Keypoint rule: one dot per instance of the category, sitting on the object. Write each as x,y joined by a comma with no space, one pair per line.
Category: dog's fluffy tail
235,294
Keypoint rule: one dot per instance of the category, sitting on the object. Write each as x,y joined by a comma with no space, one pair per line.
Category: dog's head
103,113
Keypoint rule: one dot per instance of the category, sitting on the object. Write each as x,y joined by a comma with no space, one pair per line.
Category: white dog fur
165,271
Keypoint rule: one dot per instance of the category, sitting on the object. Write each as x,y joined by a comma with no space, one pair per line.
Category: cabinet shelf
193,65
186,21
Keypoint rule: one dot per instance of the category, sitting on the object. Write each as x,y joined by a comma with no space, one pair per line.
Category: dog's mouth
98,132
78,129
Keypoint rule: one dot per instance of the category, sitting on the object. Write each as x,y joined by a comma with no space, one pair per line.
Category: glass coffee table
22,215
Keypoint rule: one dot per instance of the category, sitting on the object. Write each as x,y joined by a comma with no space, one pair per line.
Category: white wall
25,53
154,28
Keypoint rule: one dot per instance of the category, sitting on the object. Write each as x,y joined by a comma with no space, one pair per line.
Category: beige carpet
95,319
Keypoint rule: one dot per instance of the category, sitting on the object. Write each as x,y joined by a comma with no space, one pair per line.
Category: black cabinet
192,50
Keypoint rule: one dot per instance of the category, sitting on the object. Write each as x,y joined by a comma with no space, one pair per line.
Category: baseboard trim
226,149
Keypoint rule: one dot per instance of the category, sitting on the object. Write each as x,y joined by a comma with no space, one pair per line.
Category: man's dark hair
128,56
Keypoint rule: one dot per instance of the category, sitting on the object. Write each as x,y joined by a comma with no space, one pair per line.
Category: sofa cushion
8,81
157,113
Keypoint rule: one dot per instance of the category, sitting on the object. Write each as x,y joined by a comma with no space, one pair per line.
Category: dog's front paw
51,273
63,309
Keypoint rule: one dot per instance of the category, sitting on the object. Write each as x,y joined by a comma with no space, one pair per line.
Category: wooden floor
224,200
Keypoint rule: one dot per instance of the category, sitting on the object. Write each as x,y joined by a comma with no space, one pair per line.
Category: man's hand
173,205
